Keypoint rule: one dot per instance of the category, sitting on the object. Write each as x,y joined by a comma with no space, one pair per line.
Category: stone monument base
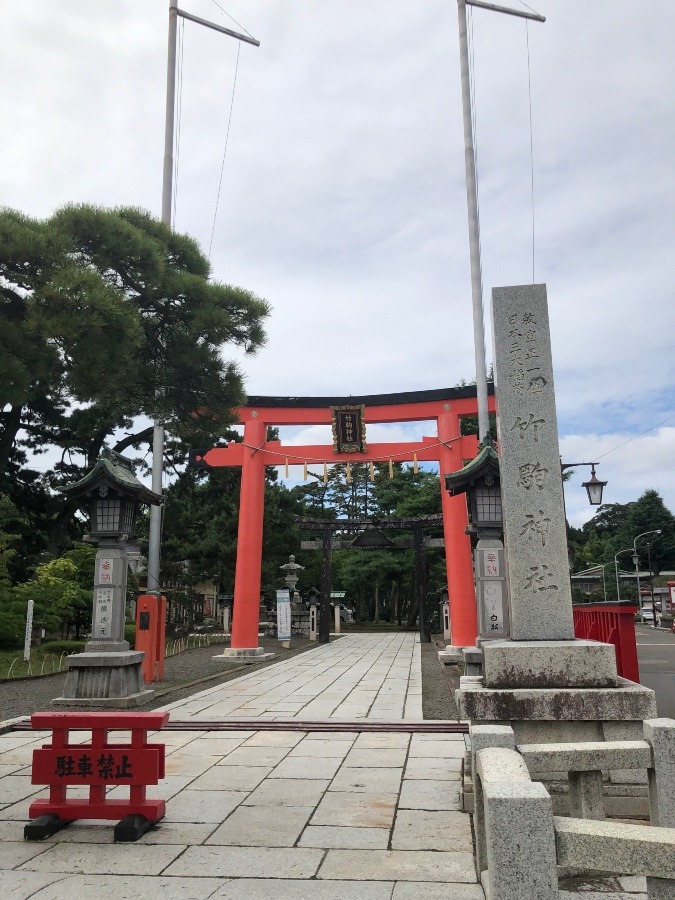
560,692
549,664
246,655
110,679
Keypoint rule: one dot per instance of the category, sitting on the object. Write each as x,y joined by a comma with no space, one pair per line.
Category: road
656,655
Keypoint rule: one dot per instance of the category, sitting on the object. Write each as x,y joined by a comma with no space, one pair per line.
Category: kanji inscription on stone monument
533,511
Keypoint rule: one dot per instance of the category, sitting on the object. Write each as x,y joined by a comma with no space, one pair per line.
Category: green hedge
59,647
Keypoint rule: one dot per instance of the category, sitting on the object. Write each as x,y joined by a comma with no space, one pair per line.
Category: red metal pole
246,613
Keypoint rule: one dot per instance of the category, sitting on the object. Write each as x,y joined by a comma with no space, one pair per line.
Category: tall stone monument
545,683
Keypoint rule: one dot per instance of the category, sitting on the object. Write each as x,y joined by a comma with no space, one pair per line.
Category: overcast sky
343,199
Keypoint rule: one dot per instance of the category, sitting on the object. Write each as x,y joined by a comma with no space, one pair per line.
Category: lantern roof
486,463
118,472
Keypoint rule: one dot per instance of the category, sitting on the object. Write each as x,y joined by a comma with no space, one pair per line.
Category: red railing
611,623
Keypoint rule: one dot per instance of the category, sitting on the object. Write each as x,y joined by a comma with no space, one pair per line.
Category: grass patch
43,661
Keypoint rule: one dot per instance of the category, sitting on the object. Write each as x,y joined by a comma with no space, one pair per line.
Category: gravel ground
194,670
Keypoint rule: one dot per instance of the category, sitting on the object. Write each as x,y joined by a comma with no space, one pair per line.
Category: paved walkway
258,813
356,677
277,814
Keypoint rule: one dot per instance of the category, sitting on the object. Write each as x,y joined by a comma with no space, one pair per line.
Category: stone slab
262,826
421,829
203,806
429,890
230,778
23,885
399,865
283,792
429,795
97,859
628,701
606,846
365,780
307,767
337,837
254,756
532,494
247,862
548,664
244,655
122,887
366,810
425,769
288,889
392,758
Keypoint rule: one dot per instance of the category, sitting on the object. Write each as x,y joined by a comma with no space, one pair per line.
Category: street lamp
636,560
616,569
593,486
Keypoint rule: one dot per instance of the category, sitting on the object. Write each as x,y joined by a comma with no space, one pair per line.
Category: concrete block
451,656
660,889
519,835
585,792
661,735
548,664
628,701
584,757
606,846
625,731
473,660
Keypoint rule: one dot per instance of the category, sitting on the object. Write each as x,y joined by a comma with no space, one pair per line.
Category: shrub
58,647
130,634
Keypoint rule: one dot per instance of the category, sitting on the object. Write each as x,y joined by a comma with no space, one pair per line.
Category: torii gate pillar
249,544
458,556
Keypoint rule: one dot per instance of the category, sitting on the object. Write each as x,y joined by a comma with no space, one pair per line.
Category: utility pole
472,206
155,534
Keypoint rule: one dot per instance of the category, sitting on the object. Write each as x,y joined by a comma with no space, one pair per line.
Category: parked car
646,615
346,615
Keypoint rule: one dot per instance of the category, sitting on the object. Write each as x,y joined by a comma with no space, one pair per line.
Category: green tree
108,316
61,590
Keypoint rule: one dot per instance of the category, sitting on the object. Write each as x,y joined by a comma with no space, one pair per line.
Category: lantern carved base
110,679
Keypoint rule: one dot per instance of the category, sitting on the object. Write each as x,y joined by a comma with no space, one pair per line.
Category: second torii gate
446,407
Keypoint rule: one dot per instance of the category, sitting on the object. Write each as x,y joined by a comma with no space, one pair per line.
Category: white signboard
284,615
103,607
29,630
493,600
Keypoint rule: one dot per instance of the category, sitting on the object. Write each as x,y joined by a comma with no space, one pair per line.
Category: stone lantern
108,673
290,570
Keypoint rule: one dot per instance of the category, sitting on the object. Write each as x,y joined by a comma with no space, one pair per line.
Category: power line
227,138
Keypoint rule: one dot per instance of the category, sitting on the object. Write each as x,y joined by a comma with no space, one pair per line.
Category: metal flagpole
167,188
472,207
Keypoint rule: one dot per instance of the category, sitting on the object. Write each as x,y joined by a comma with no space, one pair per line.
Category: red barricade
99,765
611,623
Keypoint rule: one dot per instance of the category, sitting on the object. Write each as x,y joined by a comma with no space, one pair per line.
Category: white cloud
343,196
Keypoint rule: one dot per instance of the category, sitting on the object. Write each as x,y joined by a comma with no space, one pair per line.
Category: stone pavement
263,814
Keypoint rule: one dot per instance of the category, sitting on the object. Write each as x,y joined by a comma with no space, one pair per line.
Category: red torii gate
448,448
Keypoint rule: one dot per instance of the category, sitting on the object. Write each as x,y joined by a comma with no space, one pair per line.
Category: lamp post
593,486
636,560
616,569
